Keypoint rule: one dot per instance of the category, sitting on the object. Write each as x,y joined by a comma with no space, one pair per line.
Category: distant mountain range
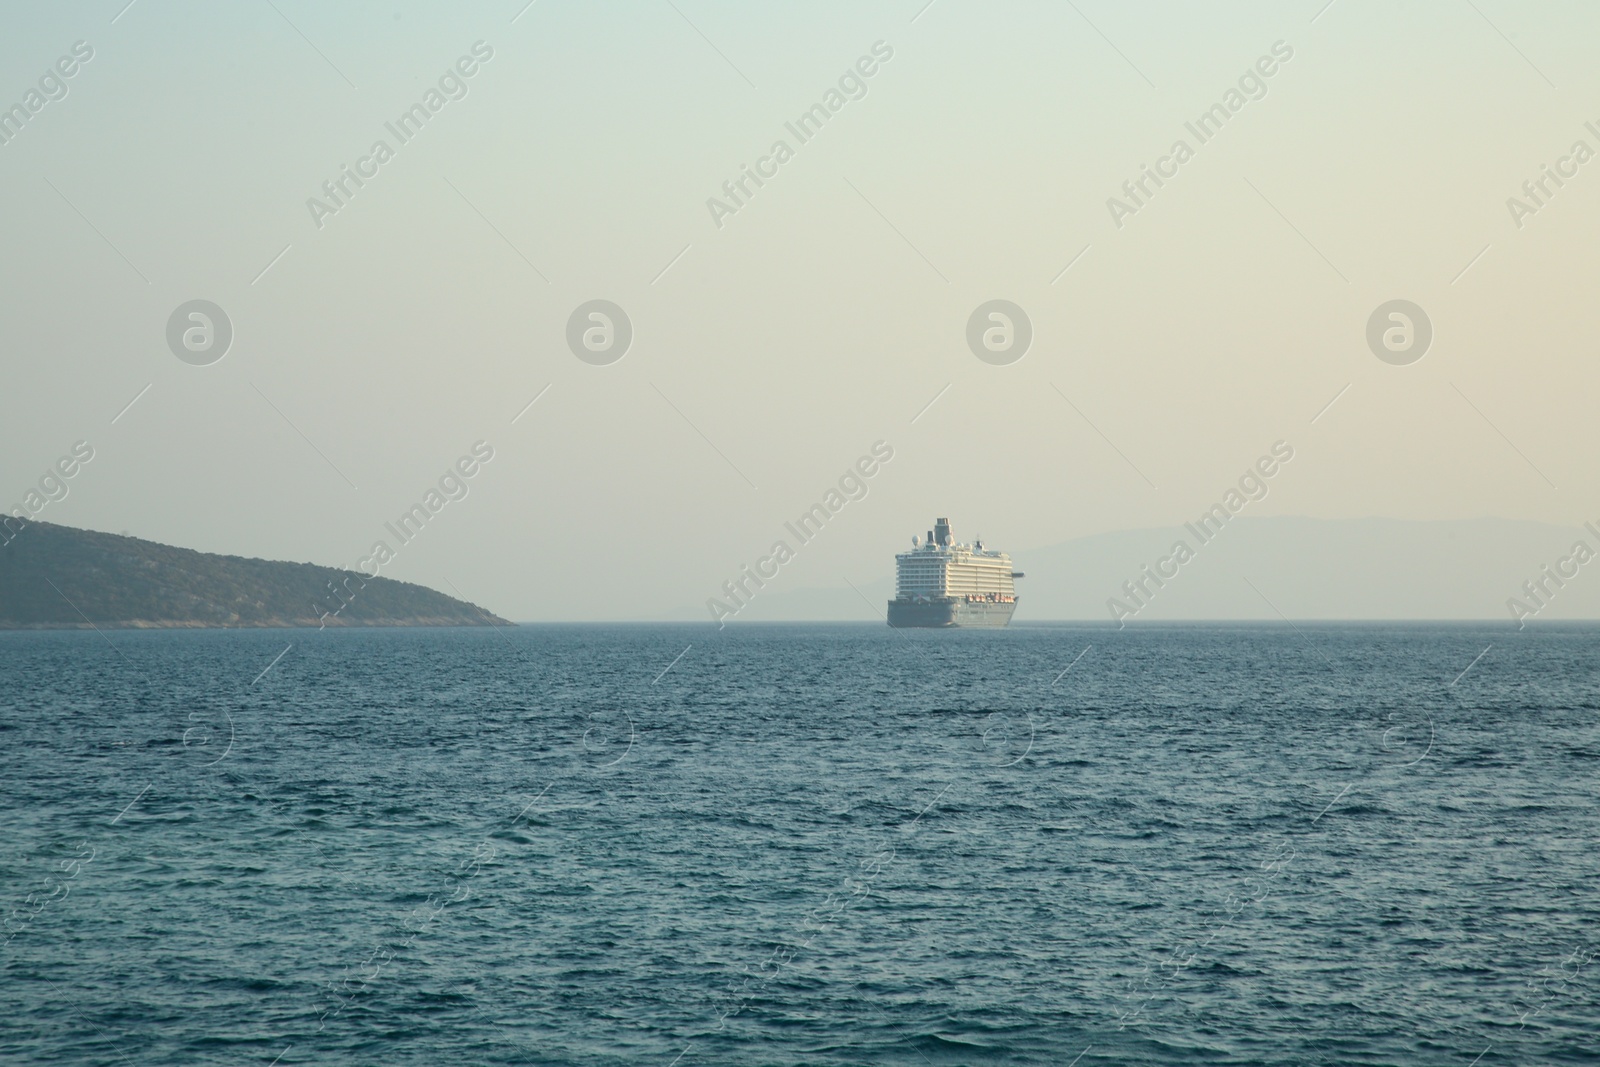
1267,568
57,577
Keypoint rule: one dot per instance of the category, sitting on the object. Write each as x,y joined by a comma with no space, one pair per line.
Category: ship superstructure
943,582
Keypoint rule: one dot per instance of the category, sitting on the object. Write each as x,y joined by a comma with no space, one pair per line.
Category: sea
674,845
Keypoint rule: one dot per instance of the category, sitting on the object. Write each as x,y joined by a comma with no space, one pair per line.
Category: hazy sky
373,347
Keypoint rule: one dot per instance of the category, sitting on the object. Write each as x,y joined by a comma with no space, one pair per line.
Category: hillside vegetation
58,577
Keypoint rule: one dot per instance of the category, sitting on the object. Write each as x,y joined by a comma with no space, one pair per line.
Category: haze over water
939,157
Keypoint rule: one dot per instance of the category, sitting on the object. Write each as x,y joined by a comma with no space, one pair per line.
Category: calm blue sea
822,844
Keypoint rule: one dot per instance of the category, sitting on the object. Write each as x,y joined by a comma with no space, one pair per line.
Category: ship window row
937,580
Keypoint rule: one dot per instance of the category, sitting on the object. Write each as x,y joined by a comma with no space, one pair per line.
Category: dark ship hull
945,612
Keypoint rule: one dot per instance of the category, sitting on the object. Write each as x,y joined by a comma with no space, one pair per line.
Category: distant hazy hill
57,577
1318,569
1258,567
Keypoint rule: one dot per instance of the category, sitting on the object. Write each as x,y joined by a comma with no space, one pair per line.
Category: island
59,577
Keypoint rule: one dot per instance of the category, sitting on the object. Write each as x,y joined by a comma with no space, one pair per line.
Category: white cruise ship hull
948,612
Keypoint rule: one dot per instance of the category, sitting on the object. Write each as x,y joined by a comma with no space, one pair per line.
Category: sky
1178,333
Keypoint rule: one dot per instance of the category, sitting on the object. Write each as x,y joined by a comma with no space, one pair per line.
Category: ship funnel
941,531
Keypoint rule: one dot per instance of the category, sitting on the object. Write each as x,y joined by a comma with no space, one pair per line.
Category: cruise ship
942,582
